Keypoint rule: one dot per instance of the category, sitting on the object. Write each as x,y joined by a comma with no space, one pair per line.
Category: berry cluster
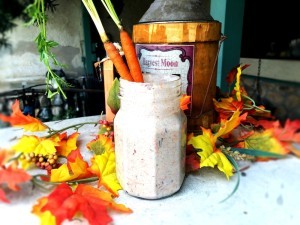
47,162
106,128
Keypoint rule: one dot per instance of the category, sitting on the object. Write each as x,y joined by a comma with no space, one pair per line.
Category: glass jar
150,137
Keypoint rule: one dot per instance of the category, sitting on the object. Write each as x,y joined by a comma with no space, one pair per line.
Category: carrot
110,48
131,57
117,60
127,44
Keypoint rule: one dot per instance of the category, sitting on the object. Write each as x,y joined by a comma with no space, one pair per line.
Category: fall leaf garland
243,131
33,149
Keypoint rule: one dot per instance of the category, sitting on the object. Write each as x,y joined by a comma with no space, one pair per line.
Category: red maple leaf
93,204
192,159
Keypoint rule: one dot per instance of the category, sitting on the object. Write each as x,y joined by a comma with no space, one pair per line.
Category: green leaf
236,167
113,100
257,153
52,44
50,94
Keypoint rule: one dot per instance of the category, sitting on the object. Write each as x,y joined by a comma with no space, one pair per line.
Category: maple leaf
185,100
12,176
67,144
217,159
64,204
210,156
265,141
46,216
101,144
231,76
288,134
192,159
104,166
5,155
226,106
103,163
3,196
76,168
37,145
237,84
18,119
228,126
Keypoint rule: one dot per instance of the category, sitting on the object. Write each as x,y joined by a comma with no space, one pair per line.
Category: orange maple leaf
227,126
64,204
18,119
67,144
185,100
12,176
227,106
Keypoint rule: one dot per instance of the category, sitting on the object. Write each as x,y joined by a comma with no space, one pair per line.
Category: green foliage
37,15
113,100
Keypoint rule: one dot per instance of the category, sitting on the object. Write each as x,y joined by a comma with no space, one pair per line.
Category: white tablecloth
269,193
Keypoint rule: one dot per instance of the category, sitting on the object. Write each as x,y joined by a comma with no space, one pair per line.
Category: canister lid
176,10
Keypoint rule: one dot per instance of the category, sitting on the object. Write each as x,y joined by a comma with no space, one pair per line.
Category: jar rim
154,80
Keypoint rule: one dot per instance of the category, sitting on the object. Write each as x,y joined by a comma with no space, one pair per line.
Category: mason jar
150,137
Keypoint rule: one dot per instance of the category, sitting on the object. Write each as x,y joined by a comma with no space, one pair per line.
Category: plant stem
75,126
79,181
90,7
111,11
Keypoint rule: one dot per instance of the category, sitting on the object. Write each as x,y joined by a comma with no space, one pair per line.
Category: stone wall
20,62
281,97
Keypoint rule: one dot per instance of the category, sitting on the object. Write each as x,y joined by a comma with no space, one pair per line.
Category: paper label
168,59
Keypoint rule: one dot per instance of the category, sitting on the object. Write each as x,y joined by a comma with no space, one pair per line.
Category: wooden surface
176,32
108,73
205,37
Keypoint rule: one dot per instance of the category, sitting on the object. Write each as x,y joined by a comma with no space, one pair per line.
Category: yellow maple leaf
205,141
210,156
104,167
76,168
237,87
217,159
32,143
68,144
265,141
61,174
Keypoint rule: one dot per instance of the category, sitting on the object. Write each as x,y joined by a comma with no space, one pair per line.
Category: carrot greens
37,15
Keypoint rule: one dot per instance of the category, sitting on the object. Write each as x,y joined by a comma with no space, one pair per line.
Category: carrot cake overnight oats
150,137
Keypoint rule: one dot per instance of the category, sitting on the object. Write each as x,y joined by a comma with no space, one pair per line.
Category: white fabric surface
268,194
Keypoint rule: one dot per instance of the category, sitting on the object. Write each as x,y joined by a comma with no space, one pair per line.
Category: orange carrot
116,58
131,57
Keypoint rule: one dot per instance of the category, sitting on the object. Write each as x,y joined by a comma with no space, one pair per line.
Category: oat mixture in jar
150,137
